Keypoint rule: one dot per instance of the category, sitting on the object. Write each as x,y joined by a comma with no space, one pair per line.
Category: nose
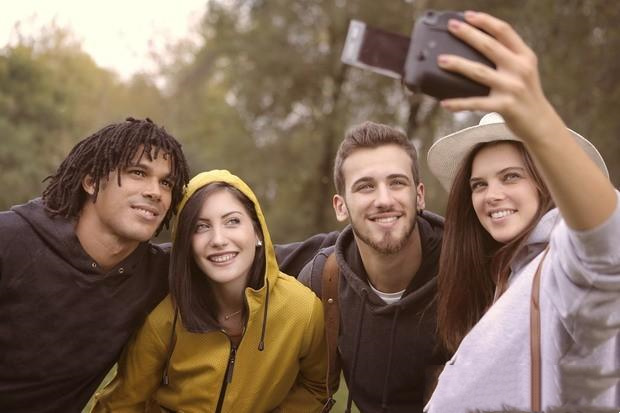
218,237
384,197
152,189
494,192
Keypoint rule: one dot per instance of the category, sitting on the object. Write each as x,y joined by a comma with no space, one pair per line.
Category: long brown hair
190,288
473,267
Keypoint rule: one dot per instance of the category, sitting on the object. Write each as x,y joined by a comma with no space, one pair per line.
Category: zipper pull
231,364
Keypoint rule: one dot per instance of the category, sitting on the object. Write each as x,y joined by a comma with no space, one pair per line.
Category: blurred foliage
52,94
264,94
276,66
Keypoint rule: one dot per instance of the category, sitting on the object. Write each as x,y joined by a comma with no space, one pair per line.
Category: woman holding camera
235,334
531,215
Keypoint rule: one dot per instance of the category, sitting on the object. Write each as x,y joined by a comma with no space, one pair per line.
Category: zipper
231,364
227,377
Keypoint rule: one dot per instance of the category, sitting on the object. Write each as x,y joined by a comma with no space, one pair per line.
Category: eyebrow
226,215
392,176
519,168
370,179
146,167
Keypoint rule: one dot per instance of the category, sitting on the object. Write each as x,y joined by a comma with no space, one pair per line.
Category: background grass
341,399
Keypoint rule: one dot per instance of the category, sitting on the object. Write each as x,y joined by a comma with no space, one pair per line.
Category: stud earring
259,243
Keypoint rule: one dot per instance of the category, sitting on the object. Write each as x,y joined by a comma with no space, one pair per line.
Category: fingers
464,104
483,104
498,29
480,73
514,82
476,71
500,43
479,40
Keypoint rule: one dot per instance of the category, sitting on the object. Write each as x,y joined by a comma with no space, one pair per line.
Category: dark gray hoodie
63,320
392,369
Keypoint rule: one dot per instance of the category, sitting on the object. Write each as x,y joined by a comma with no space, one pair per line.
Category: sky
119,35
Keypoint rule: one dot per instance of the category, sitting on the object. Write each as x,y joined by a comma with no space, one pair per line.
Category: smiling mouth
386,220
146,212
501,214
222,258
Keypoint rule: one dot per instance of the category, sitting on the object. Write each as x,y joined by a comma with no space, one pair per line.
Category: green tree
53,94
287,99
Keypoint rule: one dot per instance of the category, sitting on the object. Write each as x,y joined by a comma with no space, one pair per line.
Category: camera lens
430,17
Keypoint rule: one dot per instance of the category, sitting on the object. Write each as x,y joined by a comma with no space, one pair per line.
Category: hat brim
446,155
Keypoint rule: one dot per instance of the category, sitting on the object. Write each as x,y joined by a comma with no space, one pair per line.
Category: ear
340,207
420,202
88,184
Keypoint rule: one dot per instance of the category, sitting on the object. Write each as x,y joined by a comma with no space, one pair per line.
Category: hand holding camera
472,59
515,86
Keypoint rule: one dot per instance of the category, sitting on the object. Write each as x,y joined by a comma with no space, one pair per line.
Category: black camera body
414,59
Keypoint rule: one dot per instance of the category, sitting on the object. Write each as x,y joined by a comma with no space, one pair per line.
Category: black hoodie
397,347
63,320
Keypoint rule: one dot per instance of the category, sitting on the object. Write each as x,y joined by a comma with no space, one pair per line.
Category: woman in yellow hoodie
235,334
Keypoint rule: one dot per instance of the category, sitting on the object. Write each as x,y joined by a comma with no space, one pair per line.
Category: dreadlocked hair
113,148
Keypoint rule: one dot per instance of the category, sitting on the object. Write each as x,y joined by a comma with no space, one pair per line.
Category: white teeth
145,212
222,258
501,214
386,220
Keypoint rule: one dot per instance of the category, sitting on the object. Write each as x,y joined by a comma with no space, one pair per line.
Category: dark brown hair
190,288
372,135
113,148
473,266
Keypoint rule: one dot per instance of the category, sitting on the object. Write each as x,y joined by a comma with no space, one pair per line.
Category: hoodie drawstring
358,336
171,343
261,343
384,405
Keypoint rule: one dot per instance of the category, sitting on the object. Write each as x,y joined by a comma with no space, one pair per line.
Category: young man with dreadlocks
77,271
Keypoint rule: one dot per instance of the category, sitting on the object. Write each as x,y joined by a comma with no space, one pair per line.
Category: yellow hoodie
288,375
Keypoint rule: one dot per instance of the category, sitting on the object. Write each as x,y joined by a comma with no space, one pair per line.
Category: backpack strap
331,310
536,379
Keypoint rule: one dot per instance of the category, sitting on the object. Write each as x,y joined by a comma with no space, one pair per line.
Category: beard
389,244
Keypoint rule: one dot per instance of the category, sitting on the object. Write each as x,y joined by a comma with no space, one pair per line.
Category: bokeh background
257,87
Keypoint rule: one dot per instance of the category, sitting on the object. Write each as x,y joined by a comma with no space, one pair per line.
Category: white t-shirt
388,298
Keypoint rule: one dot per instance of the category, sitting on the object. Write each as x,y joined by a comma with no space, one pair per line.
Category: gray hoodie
388,352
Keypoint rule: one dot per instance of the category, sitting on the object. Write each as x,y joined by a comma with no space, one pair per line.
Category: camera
414,59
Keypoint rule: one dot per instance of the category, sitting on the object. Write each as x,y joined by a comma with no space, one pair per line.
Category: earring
259,243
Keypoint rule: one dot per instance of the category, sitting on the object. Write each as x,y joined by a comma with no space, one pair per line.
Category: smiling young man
77,271
387,259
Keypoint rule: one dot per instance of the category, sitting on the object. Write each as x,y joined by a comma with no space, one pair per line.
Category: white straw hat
446,155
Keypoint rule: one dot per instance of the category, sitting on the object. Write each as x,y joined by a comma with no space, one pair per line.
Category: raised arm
516,93
294,256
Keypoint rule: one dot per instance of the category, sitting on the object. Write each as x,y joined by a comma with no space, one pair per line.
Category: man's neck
390,273
106,249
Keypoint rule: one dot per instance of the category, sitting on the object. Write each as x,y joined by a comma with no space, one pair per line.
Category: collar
537,241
